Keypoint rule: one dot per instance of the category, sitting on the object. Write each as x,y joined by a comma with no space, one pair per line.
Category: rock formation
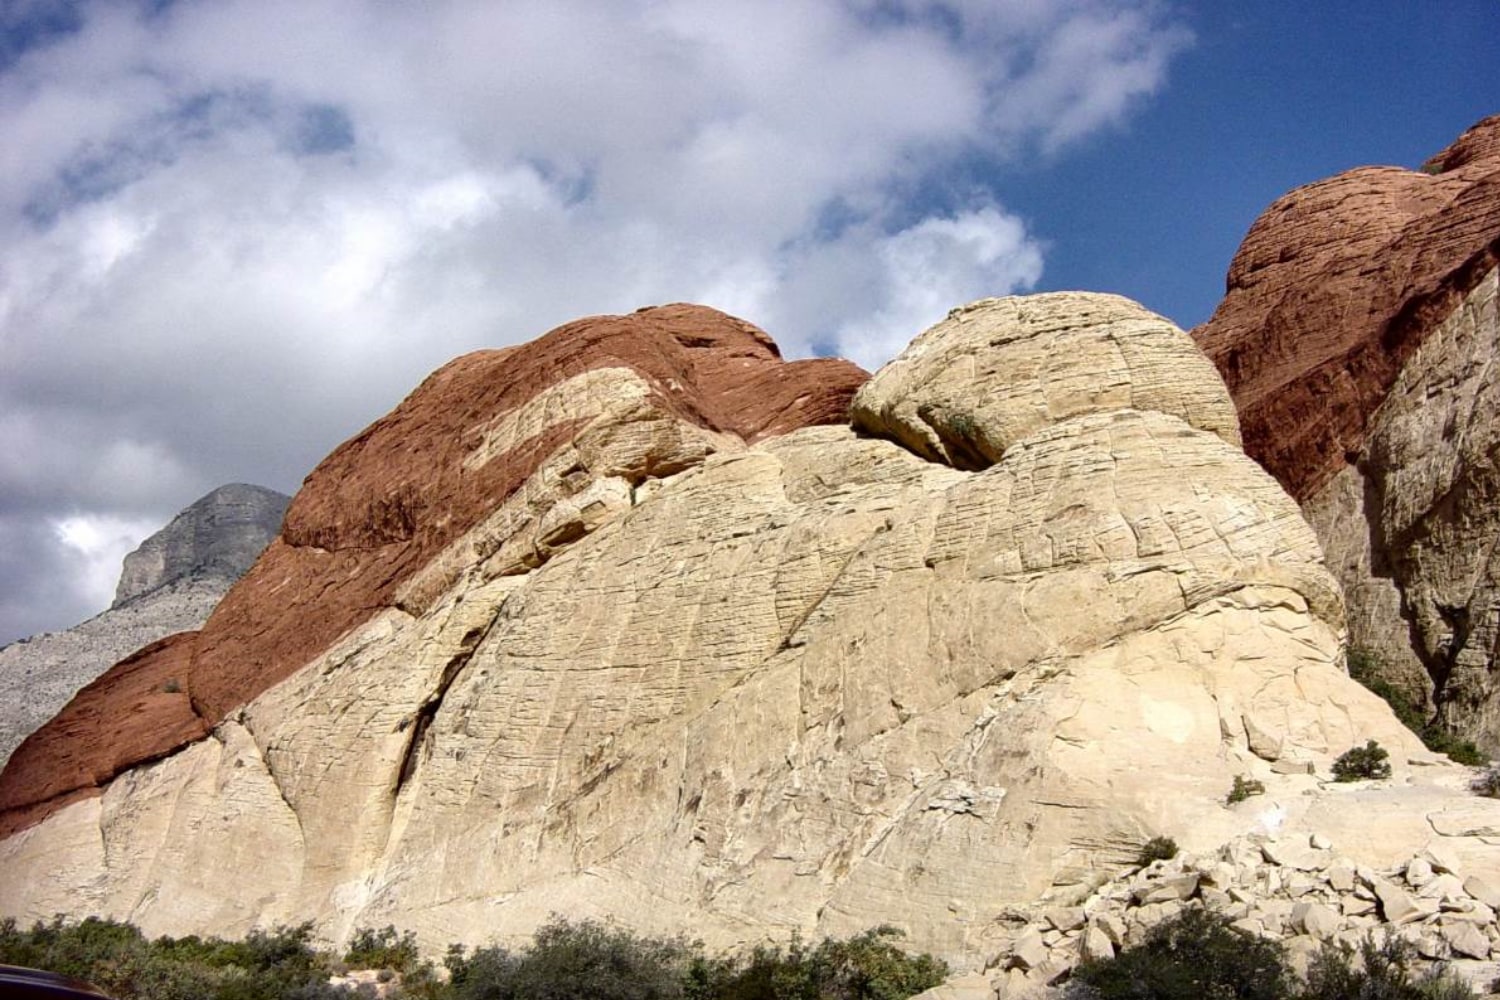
1356,337
220,535
628,622
169,584
1301,890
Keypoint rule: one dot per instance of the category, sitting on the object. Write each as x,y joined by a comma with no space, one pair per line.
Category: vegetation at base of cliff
1198,955
564,960
1367,667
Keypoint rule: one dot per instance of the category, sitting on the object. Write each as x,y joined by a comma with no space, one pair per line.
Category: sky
234,232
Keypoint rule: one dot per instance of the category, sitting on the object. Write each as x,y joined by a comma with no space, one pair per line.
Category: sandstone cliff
629,622
169,584
1357,336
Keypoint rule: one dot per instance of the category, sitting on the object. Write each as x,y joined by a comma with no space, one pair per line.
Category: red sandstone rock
1332,290
135,712
383,504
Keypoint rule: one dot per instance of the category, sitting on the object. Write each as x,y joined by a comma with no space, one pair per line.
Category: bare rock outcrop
1357,337
169,584
499,460
797,680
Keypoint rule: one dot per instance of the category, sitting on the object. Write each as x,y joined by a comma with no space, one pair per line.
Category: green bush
1157,849
1243,789
1383,972
264,965
866,967
1368,761
568,960
593,960
1193,956
382,949
1197,954
1368,668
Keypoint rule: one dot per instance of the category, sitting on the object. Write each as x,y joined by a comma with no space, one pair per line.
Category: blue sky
233,232
1270,96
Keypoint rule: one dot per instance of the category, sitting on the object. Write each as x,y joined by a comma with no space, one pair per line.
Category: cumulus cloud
233,232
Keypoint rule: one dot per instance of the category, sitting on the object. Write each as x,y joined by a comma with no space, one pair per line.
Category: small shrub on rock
1244,788
1158,849
1358,763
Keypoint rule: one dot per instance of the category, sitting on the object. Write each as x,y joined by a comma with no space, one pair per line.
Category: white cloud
94,545
232,233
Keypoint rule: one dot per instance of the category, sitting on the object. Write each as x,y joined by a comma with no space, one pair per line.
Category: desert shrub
1382,972
1193,956
1368,761
867,966
264,965
1367,667
1157,849
382,949
1243,789
567,960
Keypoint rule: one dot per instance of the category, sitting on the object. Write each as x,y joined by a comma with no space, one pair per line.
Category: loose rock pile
1299,890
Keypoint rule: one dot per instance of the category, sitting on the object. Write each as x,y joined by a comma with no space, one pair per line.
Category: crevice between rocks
421,723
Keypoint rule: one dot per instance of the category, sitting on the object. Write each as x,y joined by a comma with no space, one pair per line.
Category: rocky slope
1357,337
169,584
629,622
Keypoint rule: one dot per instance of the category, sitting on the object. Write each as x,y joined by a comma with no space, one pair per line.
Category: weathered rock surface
499,460
219,535
169,584
1357,338
1334,288
998,370
677,669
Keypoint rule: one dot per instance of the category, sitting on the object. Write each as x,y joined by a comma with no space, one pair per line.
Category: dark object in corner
17,983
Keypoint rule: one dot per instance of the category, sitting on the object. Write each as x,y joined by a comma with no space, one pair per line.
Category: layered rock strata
807,681
1356,337
499,460
169,584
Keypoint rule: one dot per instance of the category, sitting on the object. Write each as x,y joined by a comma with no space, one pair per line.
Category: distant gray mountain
218,536
169,584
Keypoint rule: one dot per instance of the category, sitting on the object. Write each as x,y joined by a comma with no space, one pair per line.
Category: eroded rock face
500,459
998,370
1357,338
169,584
1334,288
814,682
1413,524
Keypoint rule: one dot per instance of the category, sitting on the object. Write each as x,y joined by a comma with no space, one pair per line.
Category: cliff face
1356,338
629,622
169,584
